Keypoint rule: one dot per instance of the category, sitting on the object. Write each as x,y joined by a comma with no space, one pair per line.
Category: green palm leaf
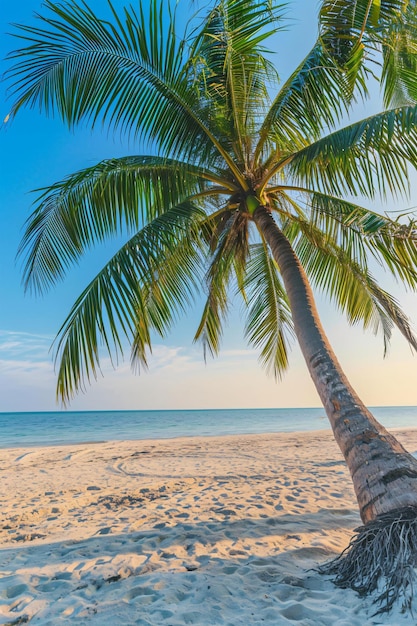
268,317
350,285
355,33
140,290
228,261
130,75
358,230
373,154
232,66
98,202
314,98
395,248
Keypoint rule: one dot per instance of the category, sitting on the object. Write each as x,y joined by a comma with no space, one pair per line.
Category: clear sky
35,151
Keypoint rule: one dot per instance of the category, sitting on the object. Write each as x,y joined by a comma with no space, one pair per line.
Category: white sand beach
210,531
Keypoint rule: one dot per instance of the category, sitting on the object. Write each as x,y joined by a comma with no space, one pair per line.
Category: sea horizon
65,426
281,408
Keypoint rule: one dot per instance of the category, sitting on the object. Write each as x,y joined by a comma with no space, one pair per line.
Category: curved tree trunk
384,474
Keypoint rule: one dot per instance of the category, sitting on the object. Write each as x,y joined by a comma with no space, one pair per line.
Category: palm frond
140,290
131,75
395,248
230,256
343,27
351,31
314,98
353,288
362,233
201,101
362,158
346,223
268,322
96,203
359,231
233,69
398,74
399,48
367,28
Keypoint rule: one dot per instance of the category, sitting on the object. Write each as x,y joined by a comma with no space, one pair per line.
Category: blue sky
36,151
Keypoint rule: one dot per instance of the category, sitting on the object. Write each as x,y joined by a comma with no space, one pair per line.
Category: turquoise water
32,429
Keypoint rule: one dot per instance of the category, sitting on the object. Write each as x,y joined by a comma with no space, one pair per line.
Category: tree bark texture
384,474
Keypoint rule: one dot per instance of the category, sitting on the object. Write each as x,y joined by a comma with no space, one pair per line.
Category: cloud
14,344
27,377
179,378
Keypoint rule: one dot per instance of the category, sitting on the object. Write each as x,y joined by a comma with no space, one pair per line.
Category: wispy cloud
177,377
20,345
27,377
187,363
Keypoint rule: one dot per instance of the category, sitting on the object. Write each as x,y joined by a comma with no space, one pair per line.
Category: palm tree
240,190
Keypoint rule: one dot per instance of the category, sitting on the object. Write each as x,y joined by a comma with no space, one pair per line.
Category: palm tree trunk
384,474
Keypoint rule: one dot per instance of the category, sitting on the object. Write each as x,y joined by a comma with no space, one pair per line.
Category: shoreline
301,433
176,438
38,429
214,530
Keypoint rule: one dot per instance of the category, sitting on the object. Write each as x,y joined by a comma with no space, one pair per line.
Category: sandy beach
213,531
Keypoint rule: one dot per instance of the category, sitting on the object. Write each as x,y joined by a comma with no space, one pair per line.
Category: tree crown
224,137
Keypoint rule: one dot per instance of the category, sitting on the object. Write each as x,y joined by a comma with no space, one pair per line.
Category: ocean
65,427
